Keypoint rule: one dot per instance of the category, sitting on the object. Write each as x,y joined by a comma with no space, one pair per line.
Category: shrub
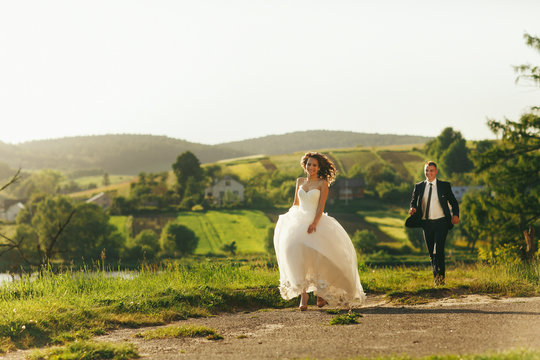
178,240
365,241
145,245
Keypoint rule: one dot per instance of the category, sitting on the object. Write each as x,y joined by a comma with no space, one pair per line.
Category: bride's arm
320,208
298,182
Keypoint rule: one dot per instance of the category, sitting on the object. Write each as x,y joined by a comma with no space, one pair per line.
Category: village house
102,199
11,210
459,191
347,189
226,190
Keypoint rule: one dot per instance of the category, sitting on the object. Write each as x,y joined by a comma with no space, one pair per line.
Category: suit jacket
445,195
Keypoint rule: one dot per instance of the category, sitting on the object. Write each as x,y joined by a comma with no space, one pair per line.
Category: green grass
216,228
345,319
351,157
50,308
406,161
121,224
390,223
414,285
288,163
59,308
180,332
245,169
98,180
84,350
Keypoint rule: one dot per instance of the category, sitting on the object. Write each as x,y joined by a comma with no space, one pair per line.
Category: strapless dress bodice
309,200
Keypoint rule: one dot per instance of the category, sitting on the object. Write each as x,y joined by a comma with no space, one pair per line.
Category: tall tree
190,177
178,240
450,150
510,168
187,165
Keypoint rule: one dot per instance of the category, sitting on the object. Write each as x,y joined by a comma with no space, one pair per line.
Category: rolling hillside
318,139
132,154
115,154
406,160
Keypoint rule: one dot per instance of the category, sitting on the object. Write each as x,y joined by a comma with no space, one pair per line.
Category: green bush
146,245
365,241
178,240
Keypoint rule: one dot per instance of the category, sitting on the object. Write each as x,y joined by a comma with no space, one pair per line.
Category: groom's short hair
431,163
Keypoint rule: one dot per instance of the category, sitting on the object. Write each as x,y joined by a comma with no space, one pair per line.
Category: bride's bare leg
303,301
320,302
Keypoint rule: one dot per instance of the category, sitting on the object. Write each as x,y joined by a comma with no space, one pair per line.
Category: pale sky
225,70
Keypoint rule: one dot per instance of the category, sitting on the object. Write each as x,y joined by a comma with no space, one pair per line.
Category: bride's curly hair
327,169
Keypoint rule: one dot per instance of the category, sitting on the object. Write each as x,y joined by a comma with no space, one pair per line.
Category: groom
429,205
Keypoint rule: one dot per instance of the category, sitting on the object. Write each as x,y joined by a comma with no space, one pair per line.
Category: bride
314,252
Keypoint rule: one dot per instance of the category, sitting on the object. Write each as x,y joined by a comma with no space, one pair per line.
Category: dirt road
472,324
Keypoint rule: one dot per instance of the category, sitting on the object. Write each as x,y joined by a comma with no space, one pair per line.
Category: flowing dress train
323,261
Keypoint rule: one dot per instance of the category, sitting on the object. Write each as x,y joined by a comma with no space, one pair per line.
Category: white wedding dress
323,261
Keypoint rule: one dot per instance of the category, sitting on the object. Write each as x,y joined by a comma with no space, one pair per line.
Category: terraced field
248,228
405,160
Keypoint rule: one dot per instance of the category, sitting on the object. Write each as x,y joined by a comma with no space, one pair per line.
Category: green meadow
60,308
248,228
215,228
390,223
405,159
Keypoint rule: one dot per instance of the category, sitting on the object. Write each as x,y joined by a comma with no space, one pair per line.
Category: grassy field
65,307
121,223
390,223
405,159
98,180
248,228
121,189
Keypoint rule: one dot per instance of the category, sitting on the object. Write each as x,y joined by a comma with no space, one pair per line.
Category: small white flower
23,327
14,310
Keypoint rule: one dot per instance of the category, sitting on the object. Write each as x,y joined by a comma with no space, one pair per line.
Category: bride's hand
311,228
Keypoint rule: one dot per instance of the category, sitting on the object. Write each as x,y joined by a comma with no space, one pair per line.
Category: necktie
428,201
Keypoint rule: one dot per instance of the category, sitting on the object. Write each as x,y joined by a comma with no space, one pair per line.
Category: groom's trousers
435,232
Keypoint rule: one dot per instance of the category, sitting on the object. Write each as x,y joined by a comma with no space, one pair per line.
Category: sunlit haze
218,71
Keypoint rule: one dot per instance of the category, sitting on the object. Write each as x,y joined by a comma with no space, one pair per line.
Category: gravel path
470,324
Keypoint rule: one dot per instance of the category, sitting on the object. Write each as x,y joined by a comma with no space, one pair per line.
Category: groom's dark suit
435,230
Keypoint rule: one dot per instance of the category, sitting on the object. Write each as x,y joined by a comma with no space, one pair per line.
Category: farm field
98,180
406,160
121,223
121,189
248,228
390,223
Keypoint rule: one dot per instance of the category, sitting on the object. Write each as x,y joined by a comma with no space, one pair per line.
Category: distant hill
319,139
131,154
115,154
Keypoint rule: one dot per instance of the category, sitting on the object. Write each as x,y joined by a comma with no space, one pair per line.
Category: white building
225,190
10,214
101,199
459,191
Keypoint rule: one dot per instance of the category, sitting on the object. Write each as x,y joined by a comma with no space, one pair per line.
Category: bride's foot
321,302
303,301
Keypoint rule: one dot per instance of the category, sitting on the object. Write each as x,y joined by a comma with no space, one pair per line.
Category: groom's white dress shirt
435,208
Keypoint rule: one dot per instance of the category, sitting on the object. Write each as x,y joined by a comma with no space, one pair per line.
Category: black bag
414,221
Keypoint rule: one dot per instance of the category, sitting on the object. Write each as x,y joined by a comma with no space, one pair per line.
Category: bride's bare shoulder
301,180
